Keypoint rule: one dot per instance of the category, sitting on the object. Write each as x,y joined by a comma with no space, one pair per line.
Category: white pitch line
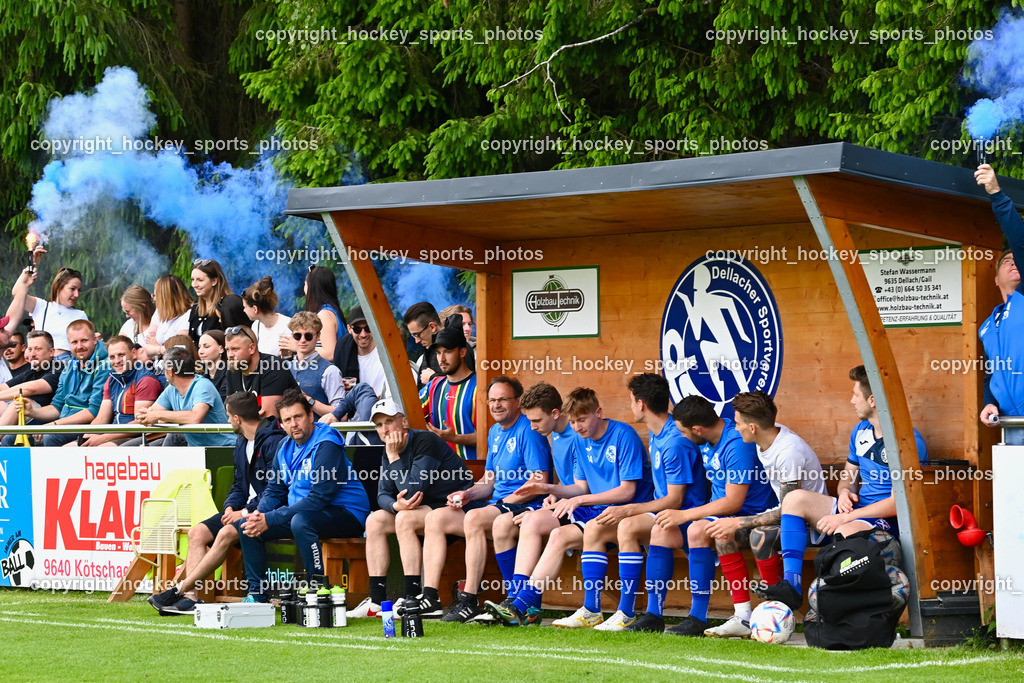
217,636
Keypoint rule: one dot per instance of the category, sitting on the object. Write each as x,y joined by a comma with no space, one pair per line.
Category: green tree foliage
424,109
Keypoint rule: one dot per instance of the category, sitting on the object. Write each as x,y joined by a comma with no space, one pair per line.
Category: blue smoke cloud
228,213
996,68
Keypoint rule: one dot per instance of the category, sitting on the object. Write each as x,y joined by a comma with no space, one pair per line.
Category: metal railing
159,428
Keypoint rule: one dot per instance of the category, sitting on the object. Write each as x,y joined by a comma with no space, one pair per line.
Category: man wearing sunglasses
423,323
357,356
319,379
255,372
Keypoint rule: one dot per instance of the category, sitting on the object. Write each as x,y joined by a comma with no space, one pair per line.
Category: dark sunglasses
303,336
241,329
359,329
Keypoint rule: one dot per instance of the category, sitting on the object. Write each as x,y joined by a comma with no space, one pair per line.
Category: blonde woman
172,313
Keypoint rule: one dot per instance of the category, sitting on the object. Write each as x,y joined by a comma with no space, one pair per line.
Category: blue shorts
889,524
580,516
515,508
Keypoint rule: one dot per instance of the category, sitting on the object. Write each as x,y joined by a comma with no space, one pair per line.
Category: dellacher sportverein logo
554,301
721,333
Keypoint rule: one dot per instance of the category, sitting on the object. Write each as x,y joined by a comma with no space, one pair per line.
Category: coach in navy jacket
253,474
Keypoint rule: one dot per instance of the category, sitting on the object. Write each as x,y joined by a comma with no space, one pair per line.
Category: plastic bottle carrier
235,615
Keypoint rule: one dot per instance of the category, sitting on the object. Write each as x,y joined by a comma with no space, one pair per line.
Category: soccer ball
892,552
772,622
20,563
900,587
812,594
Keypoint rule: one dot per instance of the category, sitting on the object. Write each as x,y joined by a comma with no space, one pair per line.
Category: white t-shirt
128,330
372,372
54,318
789,458
166,330
269,338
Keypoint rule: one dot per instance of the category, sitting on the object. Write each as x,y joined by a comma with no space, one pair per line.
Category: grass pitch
79,636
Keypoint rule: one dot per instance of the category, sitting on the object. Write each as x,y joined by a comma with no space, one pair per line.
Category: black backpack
854,597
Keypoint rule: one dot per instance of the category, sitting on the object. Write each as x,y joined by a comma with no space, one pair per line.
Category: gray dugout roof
742,189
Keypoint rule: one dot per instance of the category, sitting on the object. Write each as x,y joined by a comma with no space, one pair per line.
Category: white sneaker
366,609
484,617
616,622
582,618
734,628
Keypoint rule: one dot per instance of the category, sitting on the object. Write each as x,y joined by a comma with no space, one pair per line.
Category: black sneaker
183,606
690,626
782,591
647,623
505,612
465,608
428,608
163,600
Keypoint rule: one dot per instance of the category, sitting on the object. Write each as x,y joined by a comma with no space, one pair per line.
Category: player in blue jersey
678,480
872,504
542,405
610,468
1002,334
516,455
738,487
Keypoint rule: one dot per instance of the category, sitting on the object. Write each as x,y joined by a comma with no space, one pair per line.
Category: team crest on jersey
721,333
510,445
610,454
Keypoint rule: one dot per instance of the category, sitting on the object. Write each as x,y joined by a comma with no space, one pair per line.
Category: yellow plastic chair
181,500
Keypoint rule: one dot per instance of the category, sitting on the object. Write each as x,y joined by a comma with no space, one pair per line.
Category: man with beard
451,399
253,372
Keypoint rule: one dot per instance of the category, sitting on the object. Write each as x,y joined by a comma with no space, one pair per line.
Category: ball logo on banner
19,564
721,333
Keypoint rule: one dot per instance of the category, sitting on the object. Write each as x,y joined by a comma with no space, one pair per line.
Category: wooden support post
488,347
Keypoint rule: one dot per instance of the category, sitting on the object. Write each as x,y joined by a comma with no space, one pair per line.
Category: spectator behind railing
53,315
138,306
39,388
189,399
171,317
255,372
322,298
213,360
80,388
129,388
259,301
217,308
319,379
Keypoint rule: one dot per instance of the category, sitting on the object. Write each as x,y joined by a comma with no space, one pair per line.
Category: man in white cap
418,472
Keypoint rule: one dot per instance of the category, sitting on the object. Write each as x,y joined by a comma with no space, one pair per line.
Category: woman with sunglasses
216,307
138,306
322,299
213,360
259,301
52,315
171,316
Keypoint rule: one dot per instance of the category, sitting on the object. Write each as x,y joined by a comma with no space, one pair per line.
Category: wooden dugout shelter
642,224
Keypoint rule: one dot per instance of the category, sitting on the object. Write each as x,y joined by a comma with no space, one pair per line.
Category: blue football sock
702,571
793,537
507,566
630,567
660,564
518,581
527,597
595,568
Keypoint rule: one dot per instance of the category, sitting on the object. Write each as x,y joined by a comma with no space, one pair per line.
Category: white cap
385,406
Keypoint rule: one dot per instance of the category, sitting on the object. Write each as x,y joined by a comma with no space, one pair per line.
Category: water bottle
311,611
340,611
324,607
412,624
288,611
387,616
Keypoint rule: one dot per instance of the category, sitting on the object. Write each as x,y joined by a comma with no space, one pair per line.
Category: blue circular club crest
720,333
